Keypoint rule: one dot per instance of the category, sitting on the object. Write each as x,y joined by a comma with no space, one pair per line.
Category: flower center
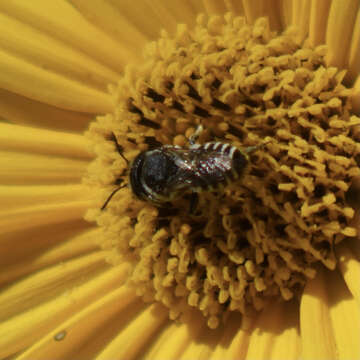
261,237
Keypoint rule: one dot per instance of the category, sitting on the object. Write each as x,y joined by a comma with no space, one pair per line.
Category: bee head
150,174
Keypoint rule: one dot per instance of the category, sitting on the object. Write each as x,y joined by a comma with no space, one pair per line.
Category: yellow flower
64,290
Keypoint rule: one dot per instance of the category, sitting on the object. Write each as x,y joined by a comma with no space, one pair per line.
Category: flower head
244,259
257,240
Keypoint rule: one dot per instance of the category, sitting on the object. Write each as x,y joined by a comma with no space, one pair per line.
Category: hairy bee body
167,172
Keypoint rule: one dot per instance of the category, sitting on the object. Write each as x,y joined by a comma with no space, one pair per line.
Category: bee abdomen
219,164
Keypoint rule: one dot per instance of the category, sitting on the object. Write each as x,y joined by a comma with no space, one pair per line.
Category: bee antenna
119,148
110,196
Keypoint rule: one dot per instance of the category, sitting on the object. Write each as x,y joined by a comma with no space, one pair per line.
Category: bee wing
185,158
187,176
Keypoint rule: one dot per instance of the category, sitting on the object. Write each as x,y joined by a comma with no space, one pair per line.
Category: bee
169,171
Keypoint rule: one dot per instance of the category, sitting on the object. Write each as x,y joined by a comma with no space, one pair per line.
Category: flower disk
263,236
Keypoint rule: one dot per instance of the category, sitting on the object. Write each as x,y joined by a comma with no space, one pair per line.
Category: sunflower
267,268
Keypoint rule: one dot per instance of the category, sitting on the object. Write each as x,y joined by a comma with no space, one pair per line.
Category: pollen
264,236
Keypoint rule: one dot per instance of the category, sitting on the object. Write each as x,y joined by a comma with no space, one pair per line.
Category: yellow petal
350,269
345,318
276,335
340,27
37,83
286,13
156,15
105,334
301,17
272,10
201,347
39,248
180,10
21,110
32,216
214,7
234,342
161,13
132,340
317,336
236,7
48,283
24,329
355,98
113,22
27,139
17,197
56,18
318,21
83,325
198,7
354,55
255,9
175,338
40,49
21,168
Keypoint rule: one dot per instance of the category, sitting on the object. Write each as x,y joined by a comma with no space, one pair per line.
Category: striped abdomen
216,164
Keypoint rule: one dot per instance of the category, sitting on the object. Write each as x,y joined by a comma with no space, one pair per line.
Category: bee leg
251,149
194,202
196,134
